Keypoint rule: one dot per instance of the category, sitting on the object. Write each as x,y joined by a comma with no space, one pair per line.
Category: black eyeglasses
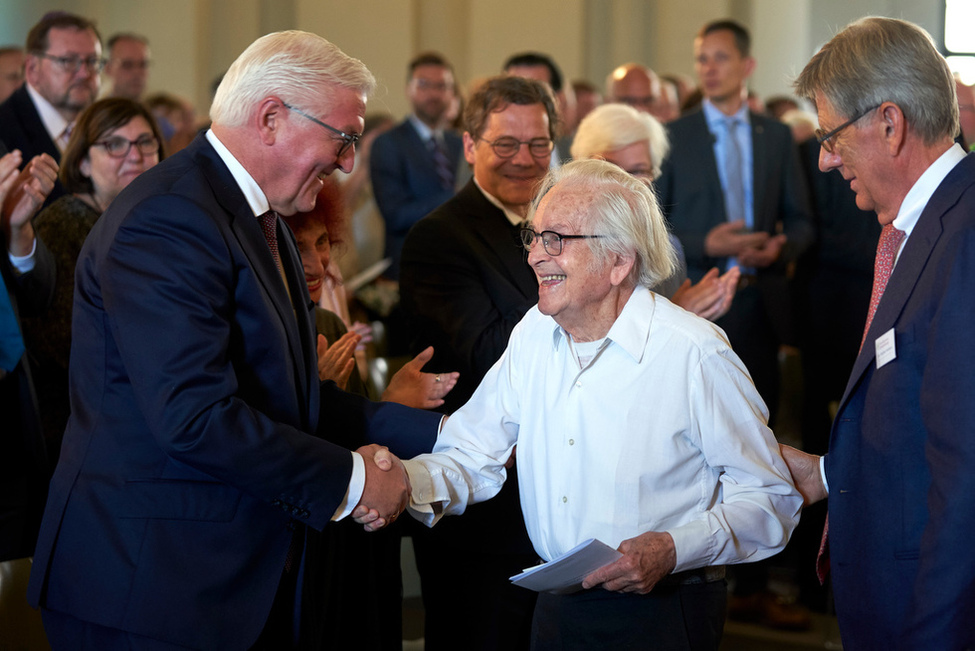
825,139
507,146
551,240
72,64
348,140
119,147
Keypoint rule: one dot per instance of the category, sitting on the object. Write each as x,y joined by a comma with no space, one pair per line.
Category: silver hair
613,126
298,67
623,210
875,60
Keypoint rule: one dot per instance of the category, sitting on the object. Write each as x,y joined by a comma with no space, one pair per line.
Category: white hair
296,66
623,211
613,126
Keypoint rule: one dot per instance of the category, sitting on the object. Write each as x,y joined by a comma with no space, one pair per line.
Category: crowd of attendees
768,247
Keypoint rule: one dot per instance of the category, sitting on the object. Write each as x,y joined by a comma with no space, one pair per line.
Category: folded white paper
564,575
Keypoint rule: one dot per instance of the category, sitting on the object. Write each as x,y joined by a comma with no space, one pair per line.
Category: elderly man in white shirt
635,423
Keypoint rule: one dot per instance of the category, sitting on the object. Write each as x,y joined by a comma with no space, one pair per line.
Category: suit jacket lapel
492,227
249,235
910,264
760,173
703,142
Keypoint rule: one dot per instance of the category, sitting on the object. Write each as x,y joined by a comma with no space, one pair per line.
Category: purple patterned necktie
441,163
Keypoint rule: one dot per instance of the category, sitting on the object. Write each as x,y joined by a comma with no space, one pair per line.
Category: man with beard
413,165
64,57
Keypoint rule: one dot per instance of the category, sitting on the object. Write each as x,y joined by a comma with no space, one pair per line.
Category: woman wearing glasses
637,142
113,141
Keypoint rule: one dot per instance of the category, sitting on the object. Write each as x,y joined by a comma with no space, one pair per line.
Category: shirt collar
54,123
422,129
513,217
252,191
631,330
716,119
922,190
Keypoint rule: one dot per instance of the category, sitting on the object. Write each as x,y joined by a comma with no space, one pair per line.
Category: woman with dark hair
113,141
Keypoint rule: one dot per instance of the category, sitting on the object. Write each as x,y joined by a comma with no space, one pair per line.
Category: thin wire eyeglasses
348,140
119,147
825,139
72,64
551,240
508,147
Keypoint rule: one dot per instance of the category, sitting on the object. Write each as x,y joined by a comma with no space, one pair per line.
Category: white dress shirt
662,431
54,123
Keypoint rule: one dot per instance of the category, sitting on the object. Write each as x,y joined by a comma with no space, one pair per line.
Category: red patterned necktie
269,224
887,247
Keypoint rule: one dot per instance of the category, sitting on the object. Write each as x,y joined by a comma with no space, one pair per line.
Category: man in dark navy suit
194,459
899,468
413,166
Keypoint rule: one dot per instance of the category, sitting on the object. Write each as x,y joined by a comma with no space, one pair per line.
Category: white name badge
886,350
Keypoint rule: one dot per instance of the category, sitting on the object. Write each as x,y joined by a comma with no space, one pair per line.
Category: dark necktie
887,247
441,163
269,224
11,341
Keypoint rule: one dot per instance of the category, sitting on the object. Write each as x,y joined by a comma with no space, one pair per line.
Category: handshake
386,493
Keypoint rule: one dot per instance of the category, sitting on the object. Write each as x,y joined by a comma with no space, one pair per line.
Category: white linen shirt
662,431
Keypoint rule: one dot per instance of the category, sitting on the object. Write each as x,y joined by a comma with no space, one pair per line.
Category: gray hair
613,126
624,211
875,60
294,65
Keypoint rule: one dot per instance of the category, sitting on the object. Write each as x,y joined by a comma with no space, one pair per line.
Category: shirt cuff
822,473
423,506
357,484
24,263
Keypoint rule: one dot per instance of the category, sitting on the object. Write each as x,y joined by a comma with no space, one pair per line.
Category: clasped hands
386,493
752,249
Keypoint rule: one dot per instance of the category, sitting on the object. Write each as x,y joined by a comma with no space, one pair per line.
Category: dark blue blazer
21,128
194,448
405,182
902,449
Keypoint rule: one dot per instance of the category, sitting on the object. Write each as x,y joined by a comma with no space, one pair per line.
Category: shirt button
565,499
579,384
572,441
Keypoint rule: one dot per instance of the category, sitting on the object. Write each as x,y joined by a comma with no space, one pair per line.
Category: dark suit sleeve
35,289
794,207
407,432
943,604
210,372
401,196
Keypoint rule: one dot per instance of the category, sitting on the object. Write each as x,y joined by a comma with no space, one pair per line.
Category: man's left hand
763,256
646,559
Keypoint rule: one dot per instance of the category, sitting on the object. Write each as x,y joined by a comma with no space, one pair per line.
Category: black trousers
686,617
